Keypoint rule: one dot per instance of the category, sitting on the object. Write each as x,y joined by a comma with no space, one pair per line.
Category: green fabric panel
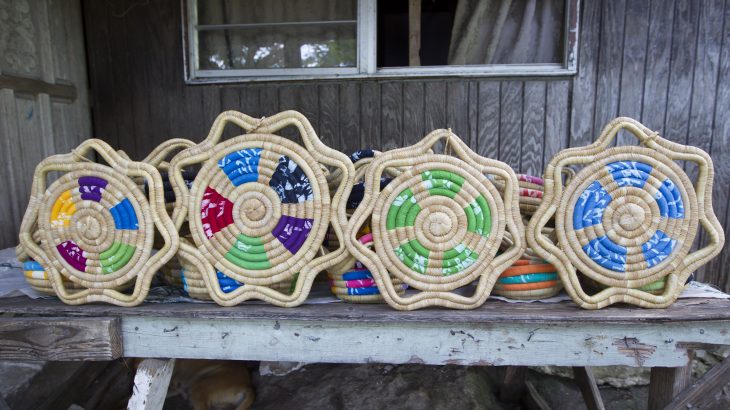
403,198
413,255
249,253
471,224
253,265
487,215
443,192
458,259
658,285
116,257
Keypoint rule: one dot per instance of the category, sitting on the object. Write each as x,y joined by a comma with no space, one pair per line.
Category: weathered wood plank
349,115
657,71
533,128
707,392
556,120
413,113
684,32
582,110
635,37
704,91
493,311
391,126
10,211
488,109
667,382
510,139
150,384
429,343
34,87
370,115
268,100
457,108
608,75
589,389
435,93
473,114
59,339
329,119
720,150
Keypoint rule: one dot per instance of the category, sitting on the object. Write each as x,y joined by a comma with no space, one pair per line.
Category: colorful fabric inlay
248,253
402,211
361,274
458,259
91,187
360,154
594,200
73,255
116,257
32,265
241,166
531,179
590,206
292,232
658,248
607,253
227,284
216,212
290,182
363,291
124,215
414,255
62,210
528,278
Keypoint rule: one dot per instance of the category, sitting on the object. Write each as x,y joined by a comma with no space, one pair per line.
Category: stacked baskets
438,225
628,219
96,226
350,280
259,209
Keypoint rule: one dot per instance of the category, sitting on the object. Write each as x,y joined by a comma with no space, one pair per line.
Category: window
248,40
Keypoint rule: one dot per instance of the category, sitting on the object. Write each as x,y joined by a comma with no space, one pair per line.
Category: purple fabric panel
292,232
91,187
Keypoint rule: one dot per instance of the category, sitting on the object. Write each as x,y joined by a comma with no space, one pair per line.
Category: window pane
279,47
472,32
274,11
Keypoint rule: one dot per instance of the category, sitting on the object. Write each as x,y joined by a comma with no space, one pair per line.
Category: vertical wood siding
664,62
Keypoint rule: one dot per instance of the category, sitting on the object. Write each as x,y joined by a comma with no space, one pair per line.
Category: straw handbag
438,225
350,280
97,227
628,218
259,208
530,277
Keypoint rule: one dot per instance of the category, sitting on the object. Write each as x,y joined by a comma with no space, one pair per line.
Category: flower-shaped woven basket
438,225
260,206
159,158
628,218
350,280
97,226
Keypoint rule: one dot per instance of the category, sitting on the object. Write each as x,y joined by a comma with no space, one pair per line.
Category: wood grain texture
510,123
457,113
584,86
391,119
150,384
710,391
533,128
370,115
588,388
413,113
557,133
608,74
657,67
349,115
667,382
60,339
329,115
488,119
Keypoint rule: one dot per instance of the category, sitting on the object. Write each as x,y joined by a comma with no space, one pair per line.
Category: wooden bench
497,334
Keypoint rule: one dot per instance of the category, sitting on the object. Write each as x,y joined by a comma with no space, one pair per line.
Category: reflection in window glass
275,34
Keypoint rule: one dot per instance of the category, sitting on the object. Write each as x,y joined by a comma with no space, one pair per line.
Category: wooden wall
665,62
42,44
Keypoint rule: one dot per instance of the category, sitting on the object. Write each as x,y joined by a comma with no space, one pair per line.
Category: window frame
367,56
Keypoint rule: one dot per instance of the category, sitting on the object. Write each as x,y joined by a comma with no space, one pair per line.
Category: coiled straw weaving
97,227
259,208
628,218
438,225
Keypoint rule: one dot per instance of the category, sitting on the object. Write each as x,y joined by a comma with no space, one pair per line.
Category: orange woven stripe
528,286
523,262
521,270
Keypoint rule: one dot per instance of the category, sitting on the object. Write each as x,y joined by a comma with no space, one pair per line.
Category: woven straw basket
530,277
438,225
97,227
350,280
628,219
259,208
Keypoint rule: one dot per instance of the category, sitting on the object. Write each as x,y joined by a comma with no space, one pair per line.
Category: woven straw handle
163,151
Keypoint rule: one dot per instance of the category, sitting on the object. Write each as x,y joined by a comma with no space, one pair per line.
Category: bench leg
712,390
667,382
588,388
513,385
150,384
